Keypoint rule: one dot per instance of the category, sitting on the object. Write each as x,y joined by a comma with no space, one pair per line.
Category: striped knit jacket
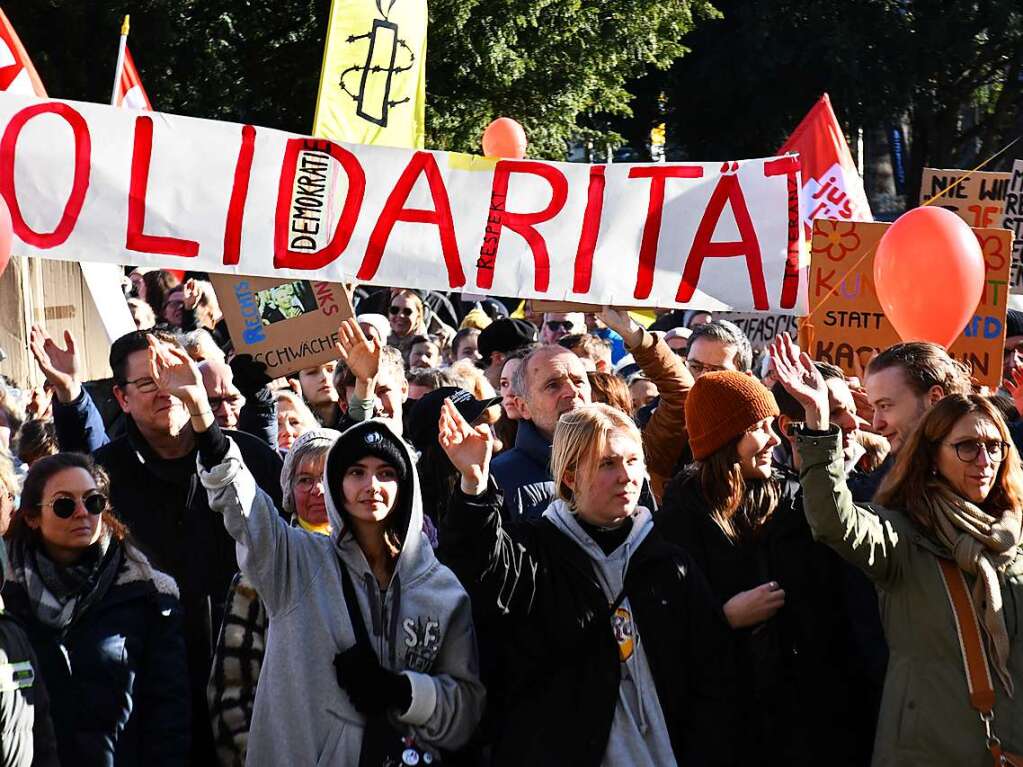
236,664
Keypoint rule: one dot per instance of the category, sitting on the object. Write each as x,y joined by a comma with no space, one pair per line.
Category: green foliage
547,63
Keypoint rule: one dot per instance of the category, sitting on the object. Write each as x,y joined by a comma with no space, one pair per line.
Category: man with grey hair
550,381
718,345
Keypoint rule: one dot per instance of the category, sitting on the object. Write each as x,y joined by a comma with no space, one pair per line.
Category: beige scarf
983,545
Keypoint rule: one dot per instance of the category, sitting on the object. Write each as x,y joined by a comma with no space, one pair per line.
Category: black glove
249,376
372,688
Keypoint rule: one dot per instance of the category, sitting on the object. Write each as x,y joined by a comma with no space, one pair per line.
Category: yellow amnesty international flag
373,81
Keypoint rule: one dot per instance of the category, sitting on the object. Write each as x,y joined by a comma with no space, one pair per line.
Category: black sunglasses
64,506
557,325
404,311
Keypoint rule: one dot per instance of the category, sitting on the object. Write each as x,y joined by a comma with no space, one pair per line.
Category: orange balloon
504,138
929,275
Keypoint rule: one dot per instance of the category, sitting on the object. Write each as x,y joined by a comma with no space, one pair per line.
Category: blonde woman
294,418
953,496
614,651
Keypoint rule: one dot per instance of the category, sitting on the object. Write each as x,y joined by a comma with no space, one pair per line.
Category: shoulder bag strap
971,644
352,603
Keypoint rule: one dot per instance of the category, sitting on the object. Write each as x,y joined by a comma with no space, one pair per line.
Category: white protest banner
1012,218
91,182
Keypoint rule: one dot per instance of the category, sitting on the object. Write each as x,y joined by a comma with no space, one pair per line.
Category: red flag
130,92
832,187
17,74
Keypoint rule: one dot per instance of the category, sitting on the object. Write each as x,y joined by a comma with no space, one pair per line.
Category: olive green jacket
926,719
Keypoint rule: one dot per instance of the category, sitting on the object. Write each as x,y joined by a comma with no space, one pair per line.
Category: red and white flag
130,92
832,187
17,74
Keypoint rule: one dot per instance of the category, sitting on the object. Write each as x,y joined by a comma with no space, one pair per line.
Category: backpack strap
978,672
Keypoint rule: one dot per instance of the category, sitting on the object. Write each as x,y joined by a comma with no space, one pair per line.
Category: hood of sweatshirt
609,568
416,556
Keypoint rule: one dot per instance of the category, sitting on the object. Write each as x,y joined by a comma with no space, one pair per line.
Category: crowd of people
487,536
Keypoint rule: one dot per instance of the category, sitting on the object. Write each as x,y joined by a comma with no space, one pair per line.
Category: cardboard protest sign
978,199
1012,219
286,324
86,181
850,326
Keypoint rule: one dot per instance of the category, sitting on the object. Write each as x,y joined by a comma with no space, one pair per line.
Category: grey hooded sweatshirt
639,734
421,626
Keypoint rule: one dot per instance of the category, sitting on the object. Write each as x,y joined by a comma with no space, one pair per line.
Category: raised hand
360,354
621,323
796,372
60,366
176,374
468,448
1015,388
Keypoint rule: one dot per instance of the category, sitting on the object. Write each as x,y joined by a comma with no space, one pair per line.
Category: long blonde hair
580,437
906,485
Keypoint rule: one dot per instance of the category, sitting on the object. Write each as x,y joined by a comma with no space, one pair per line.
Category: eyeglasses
307,483
968,450
698,368
557,325
65,506
144,384
404,311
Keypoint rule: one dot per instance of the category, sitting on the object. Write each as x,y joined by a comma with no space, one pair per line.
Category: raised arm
362,356
270,553
664,437
867,540
78,423
497,569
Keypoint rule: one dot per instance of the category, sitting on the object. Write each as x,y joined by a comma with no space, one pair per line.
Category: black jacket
26,732
560,657
794,669
116,675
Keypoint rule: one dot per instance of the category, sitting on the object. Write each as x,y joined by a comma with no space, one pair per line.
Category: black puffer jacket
794,670
116,675
560,657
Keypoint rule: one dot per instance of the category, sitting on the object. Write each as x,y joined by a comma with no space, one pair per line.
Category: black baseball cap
505,335
424,427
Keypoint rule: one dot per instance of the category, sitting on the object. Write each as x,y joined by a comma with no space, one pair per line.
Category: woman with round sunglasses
104,623
948,511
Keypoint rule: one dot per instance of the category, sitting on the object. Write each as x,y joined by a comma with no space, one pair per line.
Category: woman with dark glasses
105,625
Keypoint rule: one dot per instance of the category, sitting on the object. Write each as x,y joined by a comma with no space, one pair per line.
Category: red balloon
929,275
504,138
6,234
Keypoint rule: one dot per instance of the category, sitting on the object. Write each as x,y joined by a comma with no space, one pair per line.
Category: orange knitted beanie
722,406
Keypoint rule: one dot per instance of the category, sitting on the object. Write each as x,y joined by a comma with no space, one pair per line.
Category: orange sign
847,325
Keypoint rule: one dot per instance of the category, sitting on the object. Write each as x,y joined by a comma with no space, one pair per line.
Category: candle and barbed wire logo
372,96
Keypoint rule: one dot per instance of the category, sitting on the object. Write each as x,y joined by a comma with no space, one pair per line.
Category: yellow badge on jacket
624,631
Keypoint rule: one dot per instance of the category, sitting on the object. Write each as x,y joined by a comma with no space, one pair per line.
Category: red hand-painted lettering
239,193
728,191
136,239
523,224
395,211
655,209
79,184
